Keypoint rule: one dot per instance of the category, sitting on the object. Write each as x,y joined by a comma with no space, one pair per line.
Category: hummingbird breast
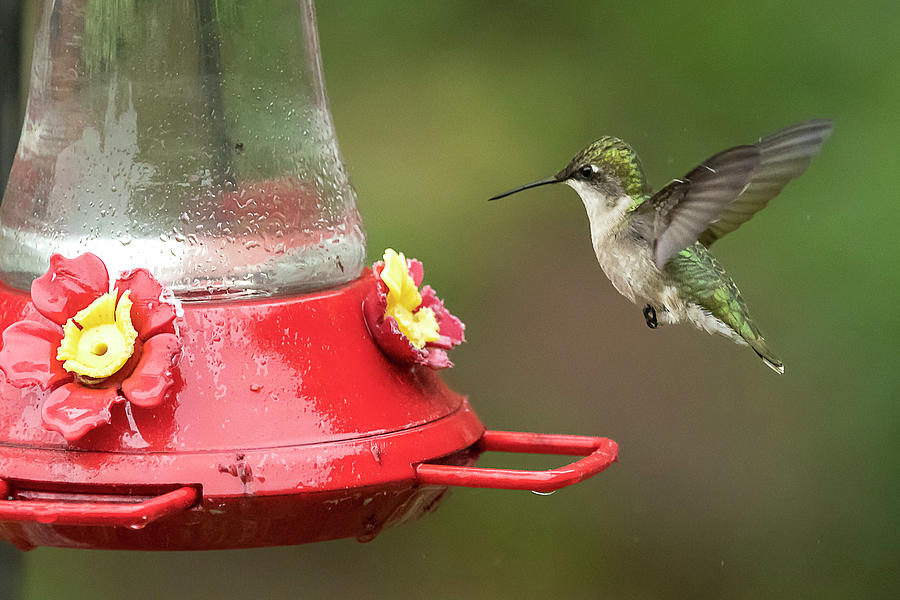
626,256
623,253
627,261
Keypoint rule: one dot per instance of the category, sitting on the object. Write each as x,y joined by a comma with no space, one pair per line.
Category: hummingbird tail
765,353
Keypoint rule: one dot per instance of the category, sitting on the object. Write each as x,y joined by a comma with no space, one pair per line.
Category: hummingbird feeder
194,355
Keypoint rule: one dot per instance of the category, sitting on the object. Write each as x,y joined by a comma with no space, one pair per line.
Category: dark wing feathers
784,156
728,189
685,207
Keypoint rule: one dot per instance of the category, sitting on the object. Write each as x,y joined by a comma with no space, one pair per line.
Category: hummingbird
654,247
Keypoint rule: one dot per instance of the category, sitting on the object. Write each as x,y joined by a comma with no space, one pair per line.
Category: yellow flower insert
403,300
104,341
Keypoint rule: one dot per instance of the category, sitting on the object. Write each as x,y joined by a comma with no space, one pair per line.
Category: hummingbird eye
587,171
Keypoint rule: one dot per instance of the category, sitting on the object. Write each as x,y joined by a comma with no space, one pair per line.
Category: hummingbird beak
539,182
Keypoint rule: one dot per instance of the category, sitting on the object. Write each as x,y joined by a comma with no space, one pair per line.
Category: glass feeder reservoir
193,355
191,138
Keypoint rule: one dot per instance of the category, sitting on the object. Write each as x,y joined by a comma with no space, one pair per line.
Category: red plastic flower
92,347
409,326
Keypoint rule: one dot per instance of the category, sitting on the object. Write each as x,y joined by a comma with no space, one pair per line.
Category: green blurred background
733,482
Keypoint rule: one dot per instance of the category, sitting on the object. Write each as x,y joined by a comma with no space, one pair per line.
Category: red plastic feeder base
287,425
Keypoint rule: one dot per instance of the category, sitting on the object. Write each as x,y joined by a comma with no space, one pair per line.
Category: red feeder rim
284,414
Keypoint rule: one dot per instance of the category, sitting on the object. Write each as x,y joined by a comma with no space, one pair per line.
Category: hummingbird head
604,173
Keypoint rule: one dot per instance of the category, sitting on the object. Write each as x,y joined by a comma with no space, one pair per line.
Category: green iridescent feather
701,279
618,158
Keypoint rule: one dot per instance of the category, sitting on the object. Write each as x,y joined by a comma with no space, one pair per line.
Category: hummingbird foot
650,316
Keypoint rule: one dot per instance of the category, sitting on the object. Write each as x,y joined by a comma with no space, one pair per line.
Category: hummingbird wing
678,213
783,156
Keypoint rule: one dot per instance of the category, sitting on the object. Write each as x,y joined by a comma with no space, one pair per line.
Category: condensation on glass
192,138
